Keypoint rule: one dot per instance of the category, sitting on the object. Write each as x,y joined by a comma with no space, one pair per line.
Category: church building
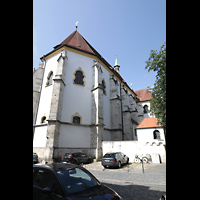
80,100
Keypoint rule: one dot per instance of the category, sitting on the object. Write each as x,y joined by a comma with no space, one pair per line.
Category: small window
104,86
145,109
49,78
43,120
76,120
156,134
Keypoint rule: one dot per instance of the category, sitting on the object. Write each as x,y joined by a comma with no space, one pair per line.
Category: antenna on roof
76,25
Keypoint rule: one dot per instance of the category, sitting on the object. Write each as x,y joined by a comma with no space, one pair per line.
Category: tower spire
116,67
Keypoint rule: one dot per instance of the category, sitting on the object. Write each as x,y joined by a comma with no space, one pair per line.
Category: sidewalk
131,167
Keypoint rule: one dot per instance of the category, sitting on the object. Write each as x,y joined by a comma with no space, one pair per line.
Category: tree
157,62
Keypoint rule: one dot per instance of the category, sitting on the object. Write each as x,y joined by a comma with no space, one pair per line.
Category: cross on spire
76,25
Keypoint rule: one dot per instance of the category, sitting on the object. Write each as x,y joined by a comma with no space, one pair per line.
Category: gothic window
43,120
76,119
156,134
49,78
145,109
79,77
104,86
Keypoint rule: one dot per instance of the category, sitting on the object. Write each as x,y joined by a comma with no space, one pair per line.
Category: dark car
76,158
35,158
59,181
114,159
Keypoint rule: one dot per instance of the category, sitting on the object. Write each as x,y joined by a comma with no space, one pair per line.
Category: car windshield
76,180
109,155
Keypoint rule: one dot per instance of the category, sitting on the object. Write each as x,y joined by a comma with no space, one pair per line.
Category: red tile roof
149,123
142,95
77,41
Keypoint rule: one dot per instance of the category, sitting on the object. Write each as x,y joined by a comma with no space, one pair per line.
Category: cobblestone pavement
133,183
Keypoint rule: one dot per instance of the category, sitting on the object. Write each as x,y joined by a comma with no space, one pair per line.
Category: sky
129,29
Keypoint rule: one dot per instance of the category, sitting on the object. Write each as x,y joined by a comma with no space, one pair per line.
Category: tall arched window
49,78
79,77
104,86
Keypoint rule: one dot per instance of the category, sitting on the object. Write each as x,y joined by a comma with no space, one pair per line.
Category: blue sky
129,29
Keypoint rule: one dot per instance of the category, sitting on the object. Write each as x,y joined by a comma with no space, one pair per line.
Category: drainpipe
39,97
121,113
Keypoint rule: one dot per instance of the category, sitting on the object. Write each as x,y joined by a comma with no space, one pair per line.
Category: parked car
59,181
114,159
76,158
35,158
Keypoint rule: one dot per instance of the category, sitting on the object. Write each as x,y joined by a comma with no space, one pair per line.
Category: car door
45,186
82,157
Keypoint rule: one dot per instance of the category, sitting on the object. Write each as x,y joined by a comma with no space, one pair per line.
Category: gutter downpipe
44,65
122,113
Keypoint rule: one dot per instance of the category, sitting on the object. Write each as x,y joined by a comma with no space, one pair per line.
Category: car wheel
119,164
127,161
89,160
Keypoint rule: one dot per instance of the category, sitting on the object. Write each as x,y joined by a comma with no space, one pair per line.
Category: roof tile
149,123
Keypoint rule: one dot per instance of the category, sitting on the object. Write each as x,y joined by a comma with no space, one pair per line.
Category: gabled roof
142,95
77,41
149,123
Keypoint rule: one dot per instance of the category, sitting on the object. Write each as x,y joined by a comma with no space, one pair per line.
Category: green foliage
157,62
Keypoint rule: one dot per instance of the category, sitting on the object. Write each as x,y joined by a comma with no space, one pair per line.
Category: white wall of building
46,94
132,148
40,136
74,136
77,98
145,135
106,99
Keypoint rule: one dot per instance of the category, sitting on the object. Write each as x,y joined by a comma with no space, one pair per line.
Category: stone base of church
45,153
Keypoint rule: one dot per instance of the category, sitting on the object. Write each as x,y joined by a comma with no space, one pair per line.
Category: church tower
116,67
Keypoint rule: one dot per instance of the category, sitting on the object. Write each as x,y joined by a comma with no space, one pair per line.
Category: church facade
80,100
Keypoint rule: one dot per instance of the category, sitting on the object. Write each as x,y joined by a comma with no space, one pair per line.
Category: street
132,183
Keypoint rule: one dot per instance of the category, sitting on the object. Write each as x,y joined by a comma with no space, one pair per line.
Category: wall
74,136
77,98
40,136
131,148
145,135
46,94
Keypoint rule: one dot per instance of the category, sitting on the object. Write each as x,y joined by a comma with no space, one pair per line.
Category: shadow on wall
138,192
